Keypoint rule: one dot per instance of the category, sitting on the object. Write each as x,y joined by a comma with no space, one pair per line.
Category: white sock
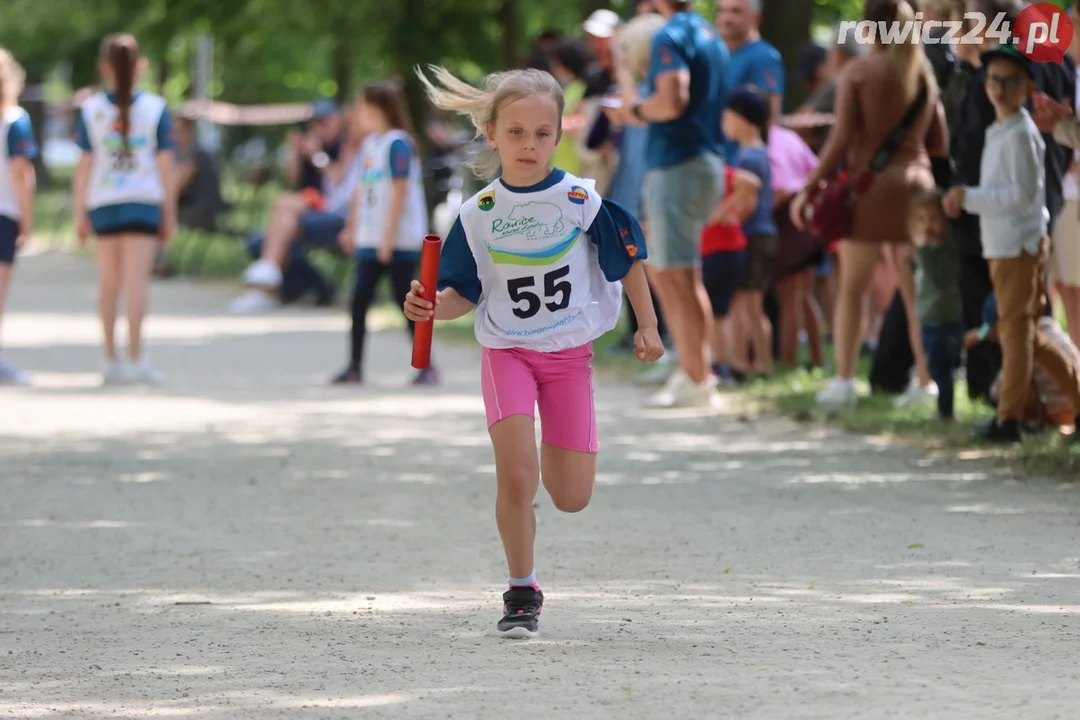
531,580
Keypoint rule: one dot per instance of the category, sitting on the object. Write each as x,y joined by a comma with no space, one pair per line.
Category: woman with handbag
889,122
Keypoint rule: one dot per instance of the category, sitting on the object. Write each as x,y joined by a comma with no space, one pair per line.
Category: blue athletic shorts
9,233
320,229
720,273
126,219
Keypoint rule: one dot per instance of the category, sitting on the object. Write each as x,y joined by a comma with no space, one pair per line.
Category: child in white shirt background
1010,201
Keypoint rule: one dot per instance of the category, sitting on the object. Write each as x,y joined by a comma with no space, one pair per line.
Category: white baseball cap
602,24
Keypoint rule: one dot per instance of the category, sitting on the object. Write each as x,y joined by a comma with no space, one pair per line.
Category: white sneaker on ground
263,273
839,393
682,392
917,395
142,372
119,372
11,375
252,301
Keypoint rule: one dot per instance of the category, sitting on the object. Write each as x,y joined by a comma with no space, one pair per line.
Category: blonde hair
636,42
482,104
12,78
907,59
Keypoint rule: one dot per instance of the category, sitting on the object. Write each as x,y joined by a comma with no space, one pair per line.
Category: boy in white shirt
1010,201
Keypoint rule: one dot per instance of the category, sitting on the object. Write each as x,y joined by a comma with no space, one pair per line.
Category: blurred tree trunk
588,7
409,47
35,108
786,24
342,69
508,42
342,30
162,72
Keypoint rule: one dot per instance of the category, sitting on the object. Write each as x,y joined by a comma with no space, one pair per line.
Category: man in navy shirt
754,61
688,84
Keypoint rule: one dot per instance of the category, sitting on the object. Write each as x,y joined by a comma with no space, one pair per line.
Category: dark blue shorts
321,229
126,219
720,273
9,233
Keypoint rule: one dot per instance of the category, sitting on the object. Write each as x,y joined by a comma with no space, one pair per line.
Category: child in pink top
791,162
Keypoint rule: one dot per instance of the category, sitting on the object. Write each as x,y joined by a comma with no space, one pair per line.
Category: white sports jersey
117,178
543,286
339,196
376,186
9,204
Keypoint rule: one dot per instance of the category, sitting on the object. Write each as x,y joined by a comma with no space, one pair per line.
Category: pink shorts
515,381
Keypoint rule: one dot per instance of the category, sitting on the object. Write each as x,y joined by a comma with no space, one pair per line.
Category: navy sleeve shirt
20,139
618,238
166,140
756,160
457,266
400,159
688,42
759,65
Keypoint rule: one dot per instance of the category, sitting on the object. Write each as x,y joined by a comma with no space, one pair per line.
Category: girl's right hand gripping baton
429,278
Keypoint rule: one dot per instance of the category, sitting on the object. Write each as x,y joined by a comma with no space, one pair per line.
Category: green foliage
283,51
827,12
793,393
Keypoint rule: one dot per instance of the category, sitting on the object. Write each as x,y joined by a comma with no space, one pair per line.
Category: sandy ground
249,543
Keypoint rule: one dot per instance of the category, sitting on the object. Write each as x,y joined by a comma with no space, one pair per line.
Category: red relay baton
429,278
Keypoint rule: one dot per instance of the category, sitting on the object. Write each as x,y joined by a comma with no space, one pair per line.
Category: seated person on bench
312,217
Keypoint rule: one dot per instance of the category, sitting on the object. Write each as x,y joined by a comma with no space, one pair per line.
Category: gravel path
249,543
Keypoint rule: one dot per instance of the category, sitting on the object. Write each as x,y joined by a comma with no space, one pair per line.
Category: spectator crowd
959,245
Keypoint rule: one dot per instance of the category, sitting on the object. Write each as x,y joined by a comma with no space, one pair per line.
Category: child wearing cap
746,121
1010,201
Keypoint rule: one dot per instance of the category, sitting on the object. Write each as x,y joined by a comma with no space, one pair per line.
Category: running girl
17,183
388,218
547,254
125,195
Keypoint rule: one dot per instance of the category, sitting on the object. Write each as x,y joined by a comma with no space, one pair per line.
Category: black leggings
368,274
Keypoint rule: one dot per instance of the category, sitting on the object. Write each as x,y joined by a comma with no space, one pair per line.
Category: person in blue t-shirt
17,183
753,60
686,87
746,120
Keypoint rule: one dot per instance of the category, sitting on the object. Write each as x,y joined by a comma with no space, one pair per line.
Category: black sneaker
1000,433
348,376
522,605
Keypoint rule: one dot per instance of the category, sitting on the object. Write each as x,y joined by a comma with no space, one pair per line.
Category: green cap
1008,50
